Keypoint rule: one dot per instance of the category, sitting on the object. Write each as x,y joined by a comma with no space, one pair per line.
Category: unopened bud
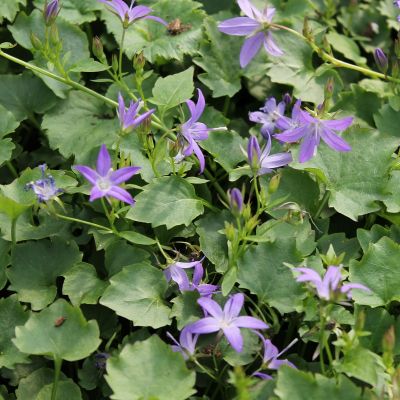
307,30
235,201
330,84
50,12
138,62
97,48
253,153
287,98
54,37
274,183
36,43
326,45
389,340
396,69
230,232
114,63
381,60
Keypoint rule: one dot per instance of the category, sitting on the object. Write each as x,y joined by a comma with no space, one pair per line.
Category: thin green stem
322,204
13,234
57,373
257,192
121,51
204,369
108,214
216,185
227,103
81,221
168,259
11,168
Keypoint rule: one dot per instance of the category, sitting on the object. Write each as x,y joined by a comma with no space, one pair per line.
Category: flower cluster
44,188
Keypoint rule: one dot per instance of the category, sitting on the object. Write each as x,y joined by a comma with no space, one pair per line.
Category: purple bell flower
105,180
330,286
235,201
227,320
129,118
186,345
45,188
130,14
255,27
176,271
312,129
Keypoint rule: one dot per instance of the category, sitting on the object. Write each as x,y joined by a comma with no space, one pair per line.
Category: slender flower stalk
44,188
255,26
312,129
129,14
227,320
105,180
129,118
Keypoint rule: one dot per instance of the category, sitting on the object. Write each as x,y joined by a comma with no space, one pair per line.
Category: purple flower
263,162
105,181
176,271
396,3
330,286
255,27
381,60
101,360
44,188
194,131
130,14
128,117
51,11
186,345
271,357
312,129
268,116
204,289
227,320
235,201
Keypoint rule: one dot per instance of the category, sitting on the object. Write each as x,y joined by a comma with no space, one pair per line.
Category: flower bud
230,232
396,69
54,37
381,60
253,152
50,12
36,43
114,63
389,340
235,201
139,61
274,183
97,48
287,98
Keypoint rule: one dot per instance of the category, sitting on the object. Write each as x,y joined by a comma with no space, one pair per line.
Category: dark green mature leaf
36,266
8,123
12,314
173,90
169,201
186,309
72,340
355,187
153,38
149,370
137,293
379,270
24,95
295,68
222,71
261,270
82,285
392,200
9,9
298,385
78,126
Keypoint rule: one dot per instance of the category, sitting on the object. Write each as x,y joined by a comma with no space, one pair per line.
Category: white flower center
104,184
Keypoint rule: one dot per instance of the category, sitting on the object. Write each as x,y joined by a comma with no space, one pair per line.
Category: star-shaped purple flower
330,286
227,320
176,271
193,131
45,188
105,180
255,27
312,129
268,116
130,14
129,118
186,345
263,162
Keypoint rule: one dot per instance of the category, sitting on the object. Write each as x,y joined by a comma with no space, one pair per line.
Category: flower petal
292,135
199,155
276,160
96,193
123,174
263,376
199,108
249,322
271,47
239,26
212,307
308,275
157,19
334,141
338,124
248,9
89,173
233,306
204,325
139,12
234,337
308,148
250,48
121,194
103,161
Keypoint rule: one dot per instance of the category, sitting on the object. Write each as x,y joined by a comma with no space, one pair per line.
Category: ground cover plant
199,199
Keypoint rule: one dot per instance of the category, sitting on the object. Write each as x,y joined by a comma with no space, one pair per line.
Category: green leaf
36,266
346,46
222,71
8,123
298,385
82,285
137,293
9,9
4,261
79,125
153,38
261,270
387,120
24,95
88,65
149,370
173,90
6,149
67,390
12,314
137,238
392,200
73,340
213,243
378,270
295,68
355,187
185,309
169,201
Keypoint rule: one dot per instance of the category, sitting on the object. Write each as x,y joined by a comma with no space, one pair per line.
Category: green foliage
149,370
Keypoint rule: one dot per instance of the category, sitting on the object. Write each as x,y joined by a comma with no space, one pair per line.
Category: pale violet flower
44,188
